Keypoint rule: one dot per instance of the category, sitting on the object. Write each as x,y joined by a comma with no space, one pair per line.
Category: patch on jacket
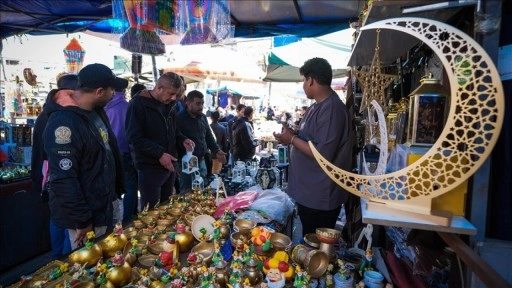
104,135
65,164
62,135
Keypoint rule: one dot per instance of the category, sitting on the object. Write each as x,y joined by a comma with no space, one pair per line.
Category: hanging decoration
208,21
147,19
74,56
374,82
381,140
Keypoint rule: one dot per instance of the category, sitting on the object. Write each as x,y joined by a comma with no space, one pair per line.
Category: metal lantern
427,112
189,163
197,183
238,172
74,56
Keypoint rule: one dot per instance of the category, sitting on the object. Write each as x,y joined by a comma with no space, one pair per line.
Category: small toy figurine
367,262
118,228
217,255
236,275
166,258
144,280
216,231
247,254
300,280
118,259
206,278
277,270
203,232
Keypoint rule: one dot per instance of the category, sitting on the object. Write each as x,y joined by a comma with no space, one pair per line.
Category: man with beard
193,124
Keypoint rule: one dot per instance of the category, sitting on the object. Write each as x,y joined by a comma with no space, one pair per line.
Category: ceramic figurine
118,259
79,271
367,263
300,280
168,256
144,280
118,228
217,255
216,231
247,255
277,270
206,278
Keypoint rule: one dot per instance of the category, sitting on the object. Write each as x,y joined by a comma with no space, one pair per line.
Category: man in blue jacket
85,172
151,130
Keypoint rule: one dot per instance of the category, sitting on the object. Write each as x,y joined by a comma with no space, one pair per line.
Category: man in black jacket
85,172
244,141
59,237
151,130
192,123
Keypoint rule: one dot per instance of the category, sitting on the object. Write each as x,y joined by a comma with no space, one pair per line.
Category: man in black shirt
193,124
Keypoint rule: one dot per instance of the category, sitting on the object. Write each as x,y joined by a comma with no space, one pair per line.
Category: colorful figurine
277,270
166,258
367,263
118,259
300,280
217,255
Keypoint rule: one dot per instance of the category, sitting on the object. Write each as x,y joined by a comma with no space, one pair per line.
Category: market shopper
327,124
85,172
59,236
244,141
151,130
239,114
221,135
193,123
116,112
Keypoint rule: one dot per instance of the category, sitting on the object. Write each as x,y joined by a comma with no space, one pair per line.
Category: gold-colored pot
155,247
130,232
185,239
84,285
206,250
90,255
280,242
243,225
120,275
138,224
147,261
113,243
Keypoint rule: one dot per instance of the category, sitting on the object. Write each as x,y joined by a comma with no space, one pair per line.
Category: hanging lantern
238,172
427,112
189,163
266,176
197,183
74,56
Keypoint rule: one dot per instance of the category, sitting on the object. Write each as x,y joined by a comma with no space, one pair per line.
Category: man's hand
166,161
81,235
285,137
189,145
221,156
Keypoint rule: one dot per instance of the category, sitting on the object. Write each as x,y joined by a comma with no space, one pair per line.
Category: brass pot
138,224
120,275
113,243
243,225
184,237
253,273
130,232
316,263
206,250
147,261
221,274
280,242
224,229
129,255
90,255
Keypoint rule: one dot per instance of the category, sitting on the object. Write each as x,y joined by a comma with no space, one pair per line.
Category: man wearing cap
151,130
85,172
116,112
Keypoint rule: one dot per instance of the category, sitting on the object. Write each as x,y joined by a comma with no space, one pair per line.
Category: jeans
155,186
131,185
59,238
186,179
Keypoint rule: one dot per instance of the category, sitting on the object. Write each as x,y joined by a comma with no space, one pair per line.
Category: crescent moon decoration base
474,122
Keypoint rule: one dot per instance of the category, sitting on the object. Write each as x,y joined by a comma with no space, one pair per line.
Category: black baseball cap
99,76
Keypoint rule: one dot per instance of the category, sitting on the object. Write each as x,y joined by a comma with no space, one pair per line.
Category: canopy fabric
284,61
246,91
251,18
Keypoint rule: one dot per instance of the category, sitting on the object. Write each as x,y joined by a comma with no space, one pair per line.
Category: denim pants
155,185
59,238
186,179
131,185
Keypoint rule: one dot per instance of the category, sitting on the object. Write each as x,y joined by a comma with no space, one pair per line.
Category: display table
24,224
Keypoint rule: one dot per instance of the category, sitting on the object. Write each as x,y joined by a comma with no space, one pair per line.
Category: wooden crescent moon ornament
472,128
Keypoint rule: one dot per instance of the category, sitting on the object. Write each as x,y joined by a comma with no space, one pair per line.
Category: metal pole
155,71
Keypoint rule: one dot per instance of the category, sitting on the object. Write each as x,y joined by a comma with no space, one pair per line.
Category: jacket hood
119,97
60,100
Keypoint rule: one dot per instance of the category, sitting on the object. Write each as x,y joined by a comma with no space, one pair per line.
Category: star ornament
374,83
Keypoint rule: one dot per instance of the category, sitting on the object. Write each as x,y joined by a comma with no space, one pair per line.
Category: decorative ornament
74,56
474,122
381,141
30,77
374,82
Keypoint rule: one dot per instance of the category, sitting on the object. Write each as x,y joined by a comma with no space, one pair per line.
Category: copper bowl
155,247
311,240
147,261
327,235
239,235
243,225
130,232
280,242
206,250
316,263
138,224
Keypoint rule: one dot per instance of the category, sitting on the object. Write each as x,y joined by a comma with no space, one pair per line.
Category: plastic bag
238,201
275,203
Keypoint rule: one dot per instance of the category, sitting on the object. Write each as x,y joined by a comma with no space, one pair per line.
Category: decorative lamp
238,172
221,191
427,112
189,163
197,183
74,56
